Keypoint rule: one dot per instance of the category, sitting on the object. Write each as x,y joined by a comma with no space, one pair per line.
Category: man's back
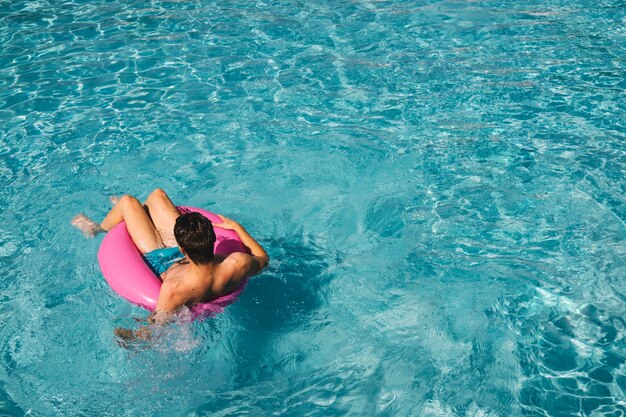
186,284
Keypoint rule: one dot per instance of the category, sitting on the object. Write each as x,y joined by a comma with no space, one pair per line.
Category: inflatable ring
127,273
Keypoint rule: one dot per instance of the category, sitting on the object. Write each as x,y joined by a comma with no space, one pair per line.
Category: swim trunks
160,260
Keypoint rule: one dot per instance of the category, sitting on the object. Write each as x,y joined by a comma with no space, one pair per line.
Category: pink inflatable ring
127,273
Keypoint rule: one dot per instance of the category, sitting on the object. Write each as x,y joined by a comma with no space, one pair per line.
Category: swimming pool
440,185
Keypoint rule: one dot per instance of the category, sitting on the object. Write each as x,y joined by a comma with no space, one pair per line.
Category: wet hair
195,235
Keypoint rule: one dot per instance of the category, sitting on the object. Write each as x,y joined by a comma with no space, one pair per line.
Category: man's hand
256,250
227,223
129,339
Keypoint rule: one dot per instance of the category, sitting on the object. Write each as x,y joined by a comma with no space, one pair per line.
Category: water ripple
440,186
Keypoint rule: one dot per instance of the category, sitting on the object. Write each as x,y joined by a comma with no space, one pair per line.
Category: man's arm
169,300
260,257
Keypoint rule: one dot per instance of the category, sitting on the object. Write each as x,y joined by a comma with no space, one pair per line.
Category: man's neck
201,269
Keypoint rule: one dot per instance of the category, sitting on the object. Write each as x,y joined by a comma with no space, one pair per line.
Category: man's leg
163,214
128,209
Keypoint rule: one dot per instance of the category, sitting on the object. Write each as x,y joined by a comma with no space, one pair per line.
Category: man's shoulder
237,259
235,266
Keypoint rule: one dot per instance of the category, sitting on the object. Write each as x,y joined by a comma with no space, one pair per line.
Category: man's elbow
265,261
262,262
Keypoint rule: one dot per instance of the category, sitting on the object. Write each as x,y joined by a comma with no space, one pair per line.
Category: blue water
440,185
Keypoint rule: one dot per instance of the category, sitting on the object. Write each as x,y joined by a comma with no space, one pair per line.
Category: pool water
440,185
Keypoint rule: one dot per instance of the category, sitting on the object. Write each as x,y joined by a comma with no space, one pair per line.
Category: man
179,247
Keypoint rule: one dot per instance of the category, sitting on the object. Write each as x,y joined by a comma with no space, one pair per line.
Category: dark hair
195,235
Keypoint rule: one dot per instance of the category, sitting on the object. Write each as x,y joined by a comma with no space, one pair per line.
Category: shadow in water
283,300
290,290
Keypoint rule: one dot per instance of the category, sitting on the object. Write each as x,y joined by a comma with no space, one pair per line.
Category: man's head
195,235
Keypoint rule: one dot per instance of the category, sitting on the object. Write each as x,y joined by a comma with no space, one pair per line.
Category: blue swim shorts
160,260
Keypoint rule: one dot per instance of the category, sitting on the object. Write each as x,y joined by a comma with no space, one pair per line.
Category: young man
179,247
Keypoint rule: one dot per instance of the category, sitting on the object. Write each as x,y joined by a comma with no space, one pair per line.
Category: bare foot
114,199
86,225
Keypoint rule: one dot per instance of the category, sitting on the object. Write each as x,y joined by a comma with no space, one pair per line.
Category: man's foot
86,225
114,199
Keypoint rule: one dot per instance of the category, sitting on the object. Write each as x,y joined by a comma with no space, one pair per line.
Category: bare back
189,284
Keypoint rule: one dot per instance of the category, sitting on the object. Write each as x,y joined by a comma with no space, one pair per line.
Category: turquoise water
440,185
